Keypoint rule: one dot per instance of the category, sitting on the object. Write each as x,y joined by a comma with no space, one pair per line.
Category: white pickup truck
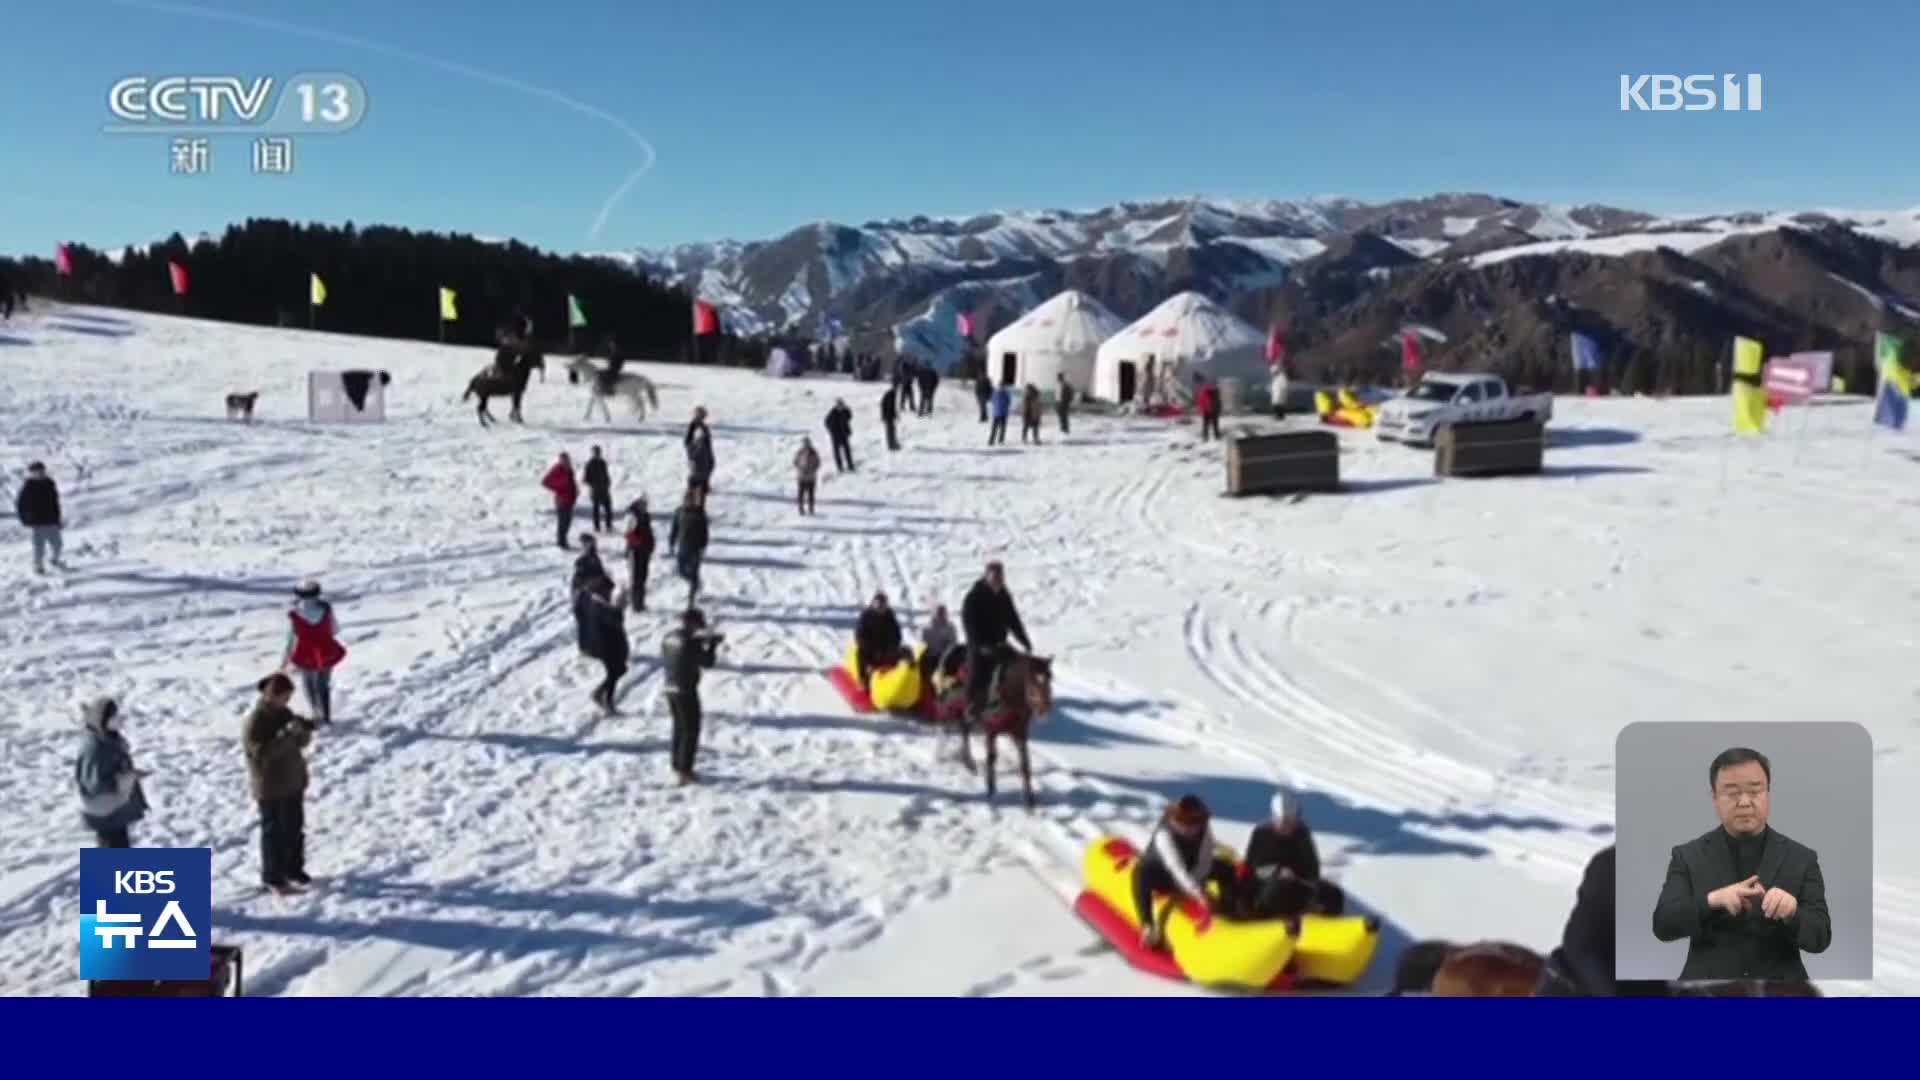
1441,400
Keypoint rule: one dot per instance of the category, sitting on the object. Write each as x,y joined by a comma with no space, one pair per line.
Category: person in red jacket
639,552
1207,401
313,647
566,492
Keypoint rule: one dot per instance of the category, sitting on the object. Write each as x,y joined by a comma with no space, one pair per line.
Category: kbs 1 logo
1689,93
310,104
146,913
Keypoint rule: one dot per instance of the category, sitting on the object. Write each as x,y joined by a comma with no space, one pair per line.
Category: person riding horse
876,636
608,382
988,617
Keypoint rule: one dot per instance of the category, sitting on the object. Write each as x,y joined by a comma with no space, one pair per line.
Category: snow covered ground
1442,667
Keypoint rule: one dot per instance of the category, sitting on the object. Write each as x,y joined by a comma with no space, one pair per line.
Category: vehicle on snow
1441,400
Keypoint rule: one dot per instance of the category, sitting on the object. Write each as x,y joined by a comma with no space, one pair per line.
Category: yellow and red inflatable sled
1258,954
895,687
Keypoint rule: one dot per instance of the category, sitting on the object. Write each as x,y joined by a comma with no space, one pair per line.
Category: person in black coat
687,538
877,637
38,507
840,433
890,417
988,617
601,611
1747,899
983,393
639,552
688,649
600,488
1283,866
929,380
587,569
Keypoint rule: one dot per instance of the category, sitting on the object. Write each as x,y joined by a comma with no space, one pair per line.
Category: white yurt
1187,335
781,364
1061,336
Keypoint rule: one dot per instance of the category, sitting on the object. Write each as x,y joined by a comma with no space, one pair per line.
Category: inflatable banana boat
1262,954
1343,409
895,687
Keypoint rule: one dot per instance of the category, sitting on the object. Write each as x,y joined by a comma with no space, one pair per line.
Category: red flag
179,275
1409,351
705,319
62,260
1276,346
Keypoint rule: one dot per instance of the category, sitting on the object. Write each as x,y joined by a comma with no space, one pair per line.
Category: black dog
240,406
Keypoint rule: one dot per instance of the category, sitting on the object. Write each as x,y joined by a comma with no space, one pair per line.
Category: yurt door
1126,381
1009,367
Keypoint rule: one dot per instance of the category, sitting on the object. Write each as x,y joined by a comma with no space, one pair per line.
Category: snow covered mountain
901,283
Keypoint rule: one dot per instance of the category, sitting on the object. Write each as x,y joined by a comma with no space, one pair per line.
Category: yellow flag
1747,357
317,291
1749,397
448,313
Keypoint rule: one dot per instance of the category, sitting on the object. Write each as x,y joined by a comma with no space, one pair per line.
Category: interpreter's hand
1779,904
1733,899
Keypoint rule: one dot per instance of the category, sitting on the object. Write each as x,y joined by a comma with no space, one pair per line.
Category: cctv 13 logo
146,913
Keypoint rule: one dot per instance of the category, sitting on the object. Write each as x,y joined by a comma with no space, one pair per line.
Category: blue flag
1890,409
1586,353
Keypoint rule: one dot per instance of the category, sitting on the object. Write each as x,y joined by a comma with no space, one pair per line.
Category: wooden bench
1496,448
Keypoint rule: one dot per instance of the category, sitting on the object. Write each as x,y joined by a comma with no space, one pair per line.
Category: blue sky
764,115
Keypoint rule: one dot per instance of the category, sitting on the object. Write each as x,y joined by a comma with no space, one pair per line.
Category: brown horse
1025,694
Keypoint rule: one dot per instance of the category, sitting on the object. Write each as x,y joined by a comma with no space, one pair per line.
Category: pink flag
1276,346
1409,351
62,260
179,275
965,322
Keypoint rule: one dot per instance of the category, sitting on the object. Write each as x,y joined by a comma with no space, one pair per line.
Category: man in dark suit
1747,899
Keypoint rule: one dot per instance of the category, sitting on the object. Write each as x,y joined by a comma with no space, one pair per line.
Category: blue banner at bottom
1171,1039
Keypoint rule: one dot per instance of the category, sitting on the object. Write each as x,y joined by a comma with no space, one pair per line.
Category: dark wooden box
1497,448
223,981
1283,462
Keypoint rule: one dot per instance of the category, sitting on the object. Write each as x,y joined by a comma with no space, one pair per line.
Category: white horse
635,387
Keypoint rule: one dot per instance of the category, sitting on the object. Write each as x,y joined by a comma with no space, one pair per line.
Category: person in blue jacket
1002,406
110,796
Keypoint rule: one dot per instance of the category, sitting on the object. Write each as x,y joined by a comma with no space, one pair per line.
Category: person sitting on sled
876,638
939,637
1281,875
1179,859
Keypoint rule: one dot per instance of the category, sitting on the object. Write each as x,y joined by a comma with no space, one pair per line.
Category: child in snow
38,506
276,739
806,463
110,795
313,647
639,552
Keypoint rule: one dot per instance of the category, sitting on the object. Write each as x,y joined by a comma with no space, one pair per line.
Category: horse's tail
470,391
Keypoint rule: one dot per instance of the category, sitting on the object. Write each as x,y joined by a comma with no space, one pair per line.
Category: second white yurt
1187,335
1060,337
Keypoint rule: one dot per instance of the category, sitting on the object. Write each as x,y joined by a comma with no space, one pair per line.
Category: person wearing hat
110,796
688,648
276,739
599,610
1179,860
877,637
988,617
38,507
313,647
1283,865
639,552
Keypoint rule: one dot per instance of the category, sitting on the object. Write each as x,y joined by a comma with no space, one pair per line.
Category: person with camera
688,649
276,740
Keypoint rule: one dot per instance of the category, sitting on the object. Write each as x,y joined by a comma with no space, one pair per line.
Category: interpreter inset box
1744,851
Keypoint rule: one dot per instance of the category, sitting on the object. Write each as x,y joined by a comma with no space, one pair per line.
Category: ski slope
1441,667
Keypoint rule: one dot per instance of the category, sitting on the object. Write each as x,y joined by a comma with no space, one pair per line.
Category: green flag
575,317
1886,351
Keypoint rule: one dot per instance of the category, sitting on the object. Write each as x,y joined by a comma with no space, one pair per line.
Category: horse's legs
993,739
1026,767
480,410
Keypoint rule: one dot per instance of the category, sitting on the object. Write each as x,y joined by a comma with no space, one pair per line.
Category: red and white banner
1794,379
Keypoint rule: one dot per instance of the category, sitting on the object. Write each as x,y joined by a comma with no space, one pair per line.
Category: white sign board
328,401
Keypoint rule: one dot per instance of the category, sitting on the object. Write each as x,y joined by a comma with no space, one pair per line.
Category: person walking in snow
587,569
806,464
600,610
276,740
566,493
903,381
929,382
600,490
1062,399
1030,412
38,507
840,433
890,416
700,464
687,542
313,647
110,796
982,394
688,649
1206,399
1002,408
695,427
639,552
